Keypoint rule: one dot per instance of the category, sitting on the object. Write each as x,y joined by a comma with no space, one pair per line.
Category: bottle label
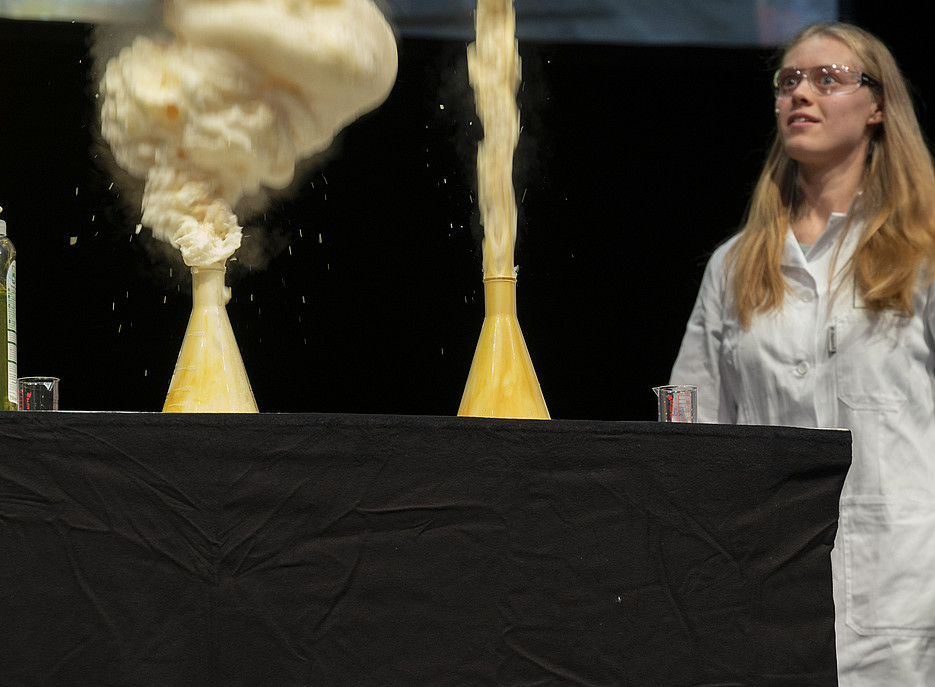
11,332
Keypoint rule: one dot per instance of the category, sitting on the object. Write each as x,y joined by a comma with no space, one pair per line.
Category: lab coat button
808,297
801,368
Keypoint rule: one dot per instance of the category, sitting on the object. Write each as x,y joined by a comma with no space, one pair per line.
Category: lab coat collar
792,255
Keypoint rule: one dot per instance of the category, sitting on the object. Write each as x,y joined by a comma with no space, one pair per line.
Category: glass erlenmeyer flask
502,382
209,375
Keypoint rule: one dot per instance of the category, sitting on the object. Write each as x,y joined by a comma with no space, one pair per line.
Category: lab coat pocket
871,362
889,565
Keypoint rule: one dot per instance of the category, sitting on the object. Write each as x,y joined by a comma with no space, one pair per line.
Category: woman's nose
802,90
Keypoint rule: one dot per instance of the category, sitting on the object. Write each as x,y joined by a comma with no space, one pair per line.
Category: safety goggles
825,79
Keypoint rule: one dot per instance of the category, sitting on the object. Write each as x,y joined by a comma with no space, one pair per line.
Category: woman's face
824,131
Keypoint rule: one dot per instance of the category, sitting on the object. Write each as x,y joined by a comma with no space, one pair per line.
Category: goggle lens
826,79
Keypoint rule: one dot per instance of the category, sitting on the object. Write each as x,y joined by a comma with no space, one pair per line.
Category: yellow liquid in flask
502,382
209,375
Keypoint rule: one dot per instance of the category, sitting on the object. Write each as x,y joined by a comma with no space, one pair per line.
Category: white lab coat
825,362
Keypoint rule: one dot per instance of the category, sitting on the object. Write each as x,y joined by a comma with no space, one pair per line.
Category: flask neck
499,296
208,286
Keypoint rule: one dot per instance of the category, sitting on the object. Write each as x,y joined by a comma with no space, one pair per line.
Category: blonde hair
897,204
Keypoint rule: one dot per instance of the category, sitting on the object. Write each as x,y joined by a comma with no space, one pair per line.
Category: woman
821,313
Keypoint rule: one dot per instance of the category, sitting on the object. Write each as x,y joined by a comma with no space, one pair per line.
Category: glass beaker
209,375
38,393
677,402
502,382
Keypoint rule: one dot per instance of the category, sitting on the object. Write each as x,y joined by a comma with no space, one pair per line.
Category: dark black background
634,162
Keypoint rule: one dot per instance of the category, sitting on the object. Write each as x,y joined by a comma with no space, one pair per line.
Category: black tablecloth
332,550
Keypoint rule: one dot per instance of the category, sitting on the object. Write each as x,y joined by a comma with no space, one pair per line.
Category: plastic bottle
8,391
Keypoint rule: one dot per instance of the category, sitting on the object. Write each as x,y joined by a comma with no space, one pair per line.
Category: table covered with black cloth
151,550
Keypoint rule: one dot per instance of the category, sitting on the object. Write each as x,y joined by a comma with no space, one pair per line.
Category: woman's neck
819,193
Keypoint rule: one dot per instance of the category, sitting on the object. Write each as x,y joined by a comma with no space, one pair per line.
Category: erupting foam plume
494,70
246,89
502,381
